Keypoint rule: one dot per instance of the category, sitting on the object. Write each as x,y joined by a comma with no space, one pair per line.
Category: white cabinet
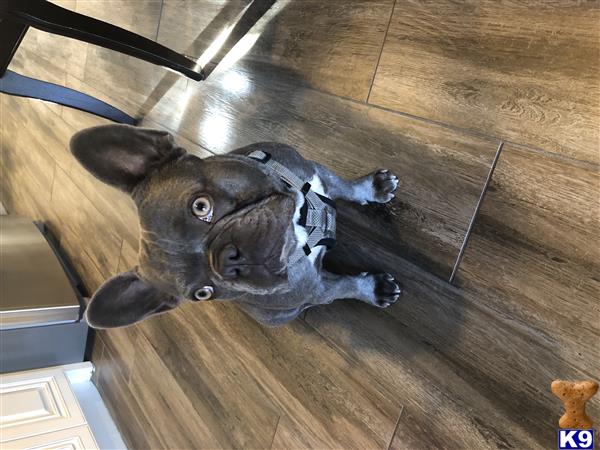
38,410
76,438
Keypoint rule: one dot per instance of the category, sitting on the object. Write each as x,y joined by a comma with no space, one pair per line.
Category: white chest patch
316,185
301,235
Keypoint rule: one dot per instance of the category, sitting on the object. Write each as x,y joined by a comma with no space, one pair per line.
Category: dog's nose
230,263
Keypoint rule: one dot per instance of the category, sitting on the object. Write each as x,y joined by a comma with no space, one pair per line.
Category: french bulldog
251,227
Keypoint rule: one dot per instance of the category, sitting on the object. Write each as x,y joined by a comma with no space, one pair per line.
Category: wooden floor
429,89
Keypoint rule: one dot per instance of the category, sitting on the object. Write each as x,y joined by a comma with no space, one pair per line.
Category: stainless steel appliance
40,310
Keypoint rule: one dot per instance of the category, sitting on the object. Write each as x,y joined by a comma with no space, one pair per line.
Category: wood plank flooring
526,72
465,349
538,228
190,29
458,367
326,398
137,431
338,53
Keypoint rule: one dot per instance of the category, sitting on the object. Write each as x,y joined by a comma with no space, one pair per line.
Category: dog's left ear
122,155
125,299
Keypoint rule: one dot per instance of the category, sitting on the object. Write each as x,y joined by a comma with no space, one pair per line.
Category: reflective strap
286,174
331,222
314,218
296,256
319,220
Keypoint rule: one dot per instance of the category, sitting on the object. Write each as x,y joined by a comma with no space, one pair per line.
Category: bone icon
574,396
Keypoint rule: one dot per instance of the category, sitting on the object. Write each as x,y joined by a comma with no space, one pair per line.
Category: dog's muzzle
254,242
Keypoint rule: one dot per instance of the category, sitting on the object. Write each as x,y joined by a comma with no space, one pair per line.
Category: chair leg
49,17
11,35
13,83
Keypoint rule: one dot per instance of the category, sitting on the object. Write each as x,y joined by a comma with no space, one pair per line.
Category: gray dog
251,226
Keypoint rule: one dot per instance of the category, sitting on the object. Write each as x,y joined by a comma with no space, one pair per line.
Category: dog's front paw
384,186
386,290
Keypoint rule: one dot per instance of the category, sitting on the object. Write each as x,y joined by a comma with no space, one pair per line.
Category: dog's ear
122,155
126,299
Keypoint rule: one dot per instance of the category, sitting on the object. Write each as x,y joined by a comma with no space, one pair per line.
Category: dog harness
317,214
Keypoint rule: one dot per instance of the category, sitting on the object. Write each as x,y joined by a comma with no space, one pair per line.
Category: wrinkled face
211,228
214,228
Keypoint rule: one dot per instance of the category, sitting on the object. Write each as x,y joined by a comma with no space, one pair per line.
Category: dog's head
213,228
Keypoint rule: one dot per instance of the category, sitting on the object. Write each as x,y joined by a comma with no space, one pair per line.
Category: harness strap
317,213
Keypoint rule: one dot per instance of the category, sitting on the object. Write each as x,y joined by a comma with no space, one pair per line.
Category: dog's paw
386,290
384,186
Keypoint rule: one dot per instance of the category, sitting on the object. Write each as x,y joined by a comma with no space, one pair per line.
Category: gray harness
317,214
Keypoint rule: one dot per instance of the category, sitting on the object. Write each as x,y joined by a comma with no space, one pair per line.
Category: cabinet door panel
76,438
35,402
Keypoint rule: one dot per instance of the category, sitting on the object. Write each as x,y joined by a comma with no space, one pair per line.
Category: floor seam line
275,432
193,141
53,179
456,128
162,5
93,263
396,428
387,29
120,256
177,133
476,212
445,125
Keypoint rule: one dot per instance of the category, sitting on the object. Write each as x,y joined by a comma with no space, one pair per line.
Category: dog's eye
204,293
202,208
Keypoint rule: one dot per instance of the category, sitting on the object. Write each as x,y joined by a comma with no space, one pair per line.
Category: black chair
16,16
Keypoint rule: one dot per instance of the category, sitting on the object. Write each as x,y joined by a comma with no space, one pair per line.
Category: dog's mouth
253,244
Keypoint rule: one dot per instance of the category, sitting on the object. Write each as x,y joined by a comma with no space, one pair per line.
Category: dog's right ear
122,155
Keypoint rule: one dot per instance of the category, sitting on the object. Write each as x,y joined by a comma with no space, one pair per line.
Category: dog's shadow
428,314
